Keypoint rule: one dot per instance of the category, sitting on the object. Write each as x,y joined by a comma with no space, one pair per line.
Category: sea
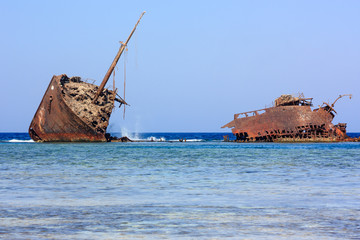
161,188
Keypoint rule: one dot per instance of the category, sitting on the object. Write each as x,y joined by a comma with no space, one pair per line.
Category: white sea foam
154,139
133,136
21,141
187,140
194,140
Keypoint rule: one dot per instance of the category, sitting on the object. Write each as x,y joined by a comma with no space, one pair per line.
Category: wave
148,139
133,136
187,140
20,141
195,140
155,139
163,139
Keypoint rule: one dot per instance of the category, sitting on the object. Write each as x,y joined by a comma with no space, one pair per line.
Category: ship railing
306,101
250,113
301,102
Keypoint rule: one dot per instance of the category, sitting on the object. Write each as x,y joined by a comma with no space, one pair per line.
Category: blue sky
190,65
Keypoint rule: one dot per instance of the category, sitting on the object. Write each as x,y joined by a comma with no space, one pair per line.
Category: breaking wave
169,136
126,133
20,141
187,140
194,140
155,139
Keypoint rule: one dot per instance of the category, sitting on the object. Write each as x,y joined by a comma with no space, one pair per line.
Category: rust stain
65,115
72,110
291,119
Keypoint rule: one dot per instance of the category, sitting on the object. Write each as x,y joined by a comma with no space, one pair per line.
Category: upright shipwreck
291,119
74,110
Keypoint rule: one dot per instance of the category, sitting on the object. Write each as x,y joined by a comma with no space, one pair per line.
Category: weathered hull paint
67,115
291,123
55,121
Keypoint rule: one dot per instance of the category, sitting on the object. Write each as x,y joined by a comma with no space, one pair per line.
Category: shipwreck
291,119
73,110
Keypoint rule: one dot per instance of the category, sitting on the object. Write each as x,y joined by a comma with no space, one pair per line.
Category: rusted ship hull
292,121
72,110
56,121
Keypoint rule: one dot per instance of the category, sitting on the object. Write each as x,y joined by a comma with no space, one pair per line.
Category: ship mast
116,59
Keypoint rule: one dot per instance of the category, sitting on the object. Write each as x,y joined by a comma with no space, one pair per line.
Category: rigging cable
125,59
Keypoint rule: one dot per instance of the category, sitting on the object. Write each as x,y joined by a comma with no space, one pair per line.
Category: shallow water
174,190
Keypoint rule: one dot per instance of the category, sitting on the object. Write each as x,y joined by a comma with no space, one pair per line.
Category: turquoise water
199,189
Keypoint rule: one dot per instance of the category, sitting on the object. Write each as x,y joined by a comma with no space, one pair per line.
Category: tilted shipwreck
291,119
74,110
